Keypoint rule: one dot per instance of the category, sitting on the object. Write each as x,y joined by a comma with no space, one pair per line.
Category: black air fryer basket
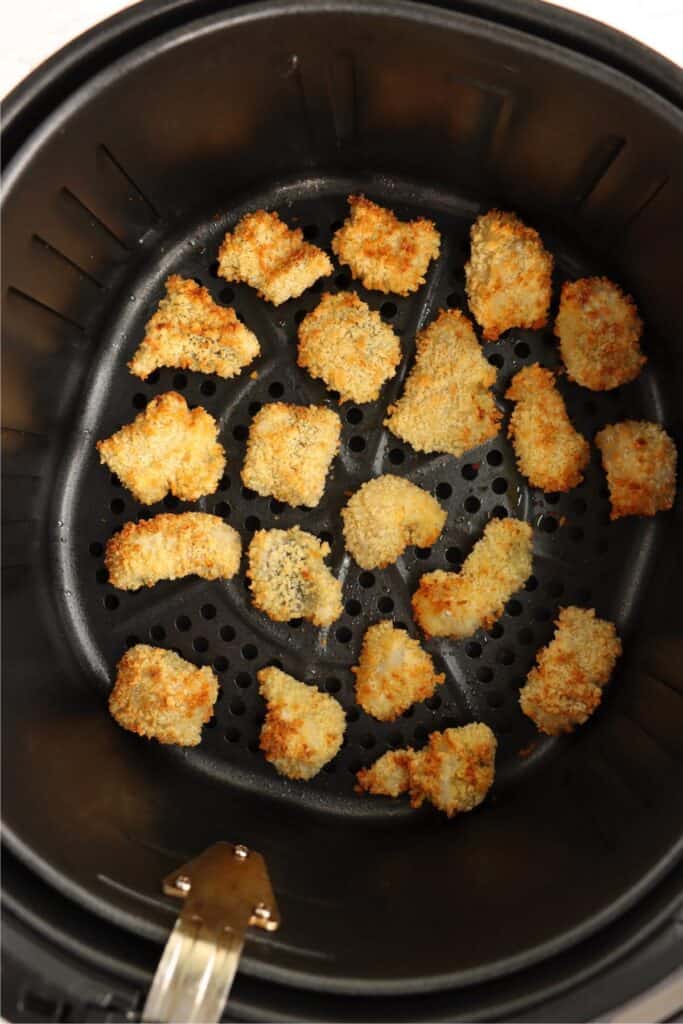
128,156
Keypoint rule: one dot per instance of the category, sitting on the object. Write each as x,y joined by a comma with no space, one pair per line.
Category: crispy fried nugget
290,450
303,728
383,252
508,277
550,452
393,672
447,405
348,346
289,578
565,686
455,770
160,695
168,547
457,604
599,331
190,331
388,776
640,461
386,515
167,447
271,257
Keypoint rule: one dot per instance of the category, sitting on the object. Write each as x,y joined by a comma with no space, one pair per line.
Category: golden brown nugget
289,578
269,256
640,462
508,277
167,447
447,404
290,450
385,516
160,695
383,252
599,331
565,686
551,454
393,672
388,776
303,728
348,346
190,331
457,604
455,770
169,547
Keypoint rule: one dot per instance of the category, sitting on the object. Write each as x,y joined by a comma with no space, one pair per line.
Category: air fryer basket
137,175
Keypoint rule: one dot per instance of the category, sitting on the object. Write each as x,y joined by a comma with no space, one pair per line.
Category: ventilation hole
385,605
117,505
332,685
343,634
207,387
499,512
388,309
311,231
525,636
470,471
254,407
220,663
179,381
326,538
496,360
153,377
354,415
183,623
453,555
232,734
295,623
249,651
226,294
252,523
453,299
275,663
367,580
552,498
548,524
423,552
222,509
131,641
367,741
111,602
531,583
499,485
522,349
353,714
494,700
243,680
253,746
353,607
513,607
114,480
496,631
96,549
102,576
171,502
299,318
207,611
395,740
578,507
342,280
396,456
575,533
419,734
401,625
408,713
555,588
494,457
443,491
334,396
276,389
433,703
484,674
248,494
357,444
542,614
473,649
240,432
472,504
139,401
237,706
200,644
157,633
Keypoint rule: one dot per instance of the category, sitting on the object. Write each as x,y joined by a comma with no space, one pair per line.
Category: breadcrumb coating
385,516
455,770
167,447
393,672
189,330
271,257
447,405
508,277
388,776
599,331
303,728
640,462
289,578
565,686
383,252
457,604
348,346
160,695
290,450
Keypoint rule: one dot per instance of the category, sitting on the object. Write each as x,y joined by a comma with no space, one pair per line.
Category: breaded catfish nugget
167,447
447,404
393,672
508,277
389,775
383,252
551,454
640,462
565,686
457,604
289,578
168,547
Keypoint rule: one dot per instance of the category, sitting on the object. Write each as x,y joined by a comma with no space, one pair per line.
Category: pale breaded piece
599,331
190,331
168,547
290,450
289,578
160,695
508,277
640,462
455,770
447,405
303,728
565,686
393,672
388,776
385,516
269,256
551,454
167,447
386,254
457,604
348,346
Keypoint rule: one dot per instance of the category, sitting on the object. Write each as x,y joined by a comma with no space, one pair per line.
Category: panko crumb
349,347
271,257
551,454
455,770
383,252
457,604
289,452
508,277
388,776
599,331
190,331
565,686
385,516
167,447
289,578
640,462
447,404
393,672
160,695
169,547
303,728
